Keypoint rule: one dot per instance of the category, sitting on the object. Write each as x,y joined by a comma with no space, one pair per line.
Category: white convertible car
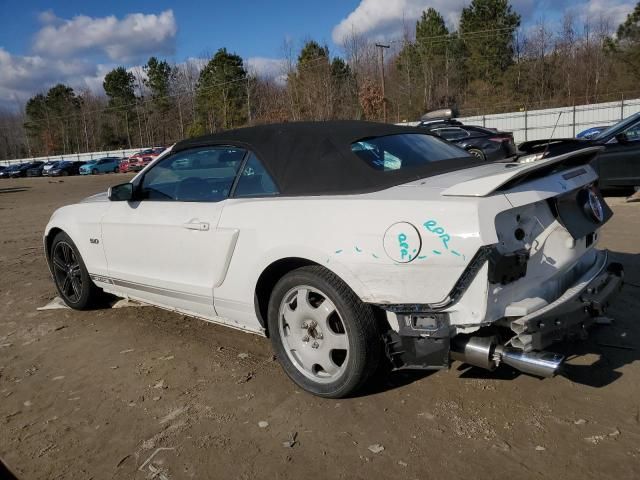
350,244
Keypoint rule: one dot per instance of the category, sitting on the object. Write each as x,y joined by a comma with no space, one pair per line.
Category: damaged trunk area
544,282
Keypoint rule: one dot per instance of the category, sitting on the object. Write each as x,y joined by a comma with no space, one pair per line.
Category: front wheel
325,337
94,171
70,274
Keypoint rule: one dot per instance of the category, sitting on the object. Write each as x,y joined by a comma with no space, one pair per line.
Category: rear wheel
116,170
476,152
70,274
64,173
325,337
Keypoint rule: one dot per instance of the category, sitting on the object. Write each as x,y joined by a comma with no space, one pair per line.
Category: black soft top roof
315,158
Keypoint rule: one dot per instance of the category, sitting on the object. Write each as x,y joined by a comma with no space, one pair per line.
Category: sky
77,42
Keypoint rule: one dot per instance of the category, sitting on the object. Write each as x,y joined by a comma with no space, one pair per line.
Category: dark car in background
66,168
6,173
485,143
619,163
23,168
35,170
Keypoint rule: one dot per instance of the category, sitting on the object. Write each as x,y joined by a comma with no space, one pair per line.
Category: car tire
116,170
476,152
308,337
64,173
94,171
70,274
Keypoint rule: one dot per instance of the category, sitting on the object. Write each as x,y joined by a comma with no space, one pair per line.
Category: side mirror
622,138
121,193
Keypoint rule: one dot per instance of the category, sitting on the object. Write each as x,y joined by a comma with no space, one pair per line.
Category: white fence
539,124
76,157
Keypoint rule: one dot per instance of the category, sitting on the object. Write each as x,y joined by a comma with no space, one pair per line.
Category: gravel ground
141,393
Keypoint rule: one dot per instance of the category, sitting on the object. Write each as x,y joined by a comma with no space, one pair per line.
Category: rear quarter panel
346,235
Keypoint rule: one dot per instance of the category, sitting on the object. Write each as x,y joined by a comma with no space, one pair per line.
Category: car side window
254,181
633,133
199,175
451,133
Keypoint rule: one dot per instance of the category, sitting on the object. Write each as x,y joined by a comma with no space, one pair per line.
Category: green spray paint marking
338,251
437,252
358,250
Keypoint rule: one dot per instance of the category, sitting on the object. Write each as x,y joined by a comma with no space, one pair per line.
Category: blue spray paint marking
338,251
374,255
433,227
358,250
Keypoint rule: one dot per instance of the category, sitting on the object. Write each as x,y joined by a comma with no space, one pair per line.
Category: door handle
195,225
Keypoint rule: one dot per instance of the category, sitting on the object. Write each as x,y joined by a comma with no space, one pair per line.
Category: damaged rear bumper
574,311
422,340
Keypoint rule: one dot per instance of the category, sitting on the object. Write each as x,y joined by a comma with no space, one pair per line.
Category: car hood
483,180
98,197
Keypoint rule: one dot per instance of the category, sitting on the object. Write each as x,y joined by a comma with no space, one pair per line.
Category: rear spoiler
515,173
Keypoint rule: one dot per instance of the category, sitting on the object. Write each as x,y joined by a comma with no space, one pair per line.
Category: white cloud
48,17
21,76
125,40
266,67
386,19
615,11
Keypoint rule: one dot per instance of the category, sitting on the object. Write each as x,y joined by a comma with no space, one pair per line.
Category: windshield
618,126
406,150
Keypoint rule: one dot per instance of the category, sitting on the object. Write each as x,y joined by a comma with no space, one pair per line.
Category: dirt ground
141,393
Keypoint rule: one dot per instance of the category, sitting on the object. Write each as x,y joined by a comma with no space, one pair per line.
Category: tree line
488,64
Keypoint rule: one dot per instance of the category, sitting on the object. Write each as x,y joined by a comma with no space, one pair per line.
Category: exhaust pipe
484,352
540,364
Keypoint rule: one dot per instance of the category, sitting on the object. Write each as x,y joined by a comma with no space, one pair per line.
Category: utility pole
249,99
384,99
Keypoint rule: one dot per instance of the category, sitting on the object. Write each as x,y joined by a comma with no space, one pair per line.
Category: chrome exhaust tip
484,352
539,364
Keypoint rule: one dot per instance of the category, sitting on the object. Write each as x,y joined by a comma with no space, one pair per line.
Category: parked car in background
22,169
35,170
66,168
486,263
6,172
101,165
484,143
48,166
141,159
590,132
617,164
123,166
